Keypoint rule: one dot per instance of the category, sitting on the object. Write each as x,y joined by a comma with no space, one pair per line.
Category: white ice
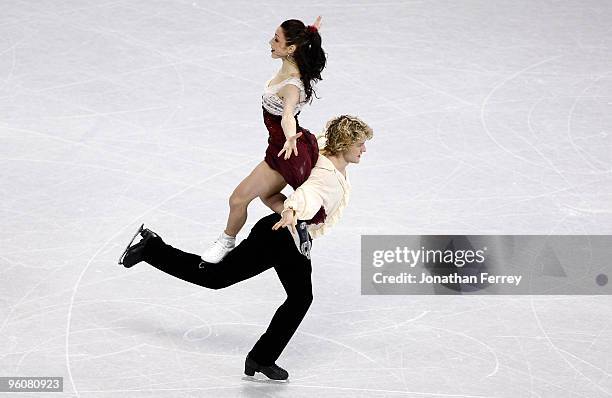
490,117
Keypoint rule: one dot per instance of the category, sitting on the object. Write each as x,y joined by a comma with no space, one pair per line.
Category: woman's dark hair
308,55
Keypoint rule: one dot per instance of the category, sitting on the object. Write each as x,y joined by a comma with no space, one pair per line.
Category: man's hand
287,220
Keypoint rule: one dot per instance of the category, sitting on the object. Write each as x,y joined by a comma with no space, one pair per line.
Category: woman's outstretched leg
262,182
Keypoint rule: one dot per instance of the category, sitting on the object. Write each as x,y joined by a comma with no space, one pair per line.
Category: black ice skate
132,255
302,238
273,371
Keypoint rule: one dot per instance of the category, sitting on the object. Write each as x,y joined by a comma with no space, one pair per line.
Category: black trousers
261,250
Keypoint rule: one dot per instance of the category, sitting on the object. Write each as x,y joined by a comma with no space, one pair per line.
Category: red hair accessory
311,29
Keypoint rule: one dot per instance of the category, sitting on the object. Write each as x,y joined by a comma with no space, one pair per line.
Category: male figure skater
269,244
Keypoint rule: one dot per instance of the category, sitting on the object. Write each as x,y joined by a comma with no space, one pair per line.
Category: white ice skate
218,250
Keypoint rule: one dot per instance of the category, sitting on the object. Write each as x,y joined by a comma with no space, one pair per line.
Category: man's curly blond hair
343,131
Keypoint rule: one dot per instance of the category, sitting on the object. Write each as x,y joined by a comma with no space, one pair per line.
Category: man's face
353,153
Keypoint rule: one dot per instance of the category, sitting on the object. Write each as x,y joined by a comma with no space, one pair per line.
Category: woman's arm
291,96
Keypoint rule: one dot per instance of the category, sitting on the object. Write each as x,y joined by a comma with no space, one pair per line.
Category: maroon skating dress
296,169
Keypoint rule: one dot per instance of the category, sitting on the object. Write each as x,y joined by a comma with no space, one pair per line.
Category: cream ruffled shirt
325,187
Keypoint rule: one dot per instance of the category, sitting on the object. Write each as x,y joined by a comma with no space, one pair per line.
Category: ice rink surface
490,117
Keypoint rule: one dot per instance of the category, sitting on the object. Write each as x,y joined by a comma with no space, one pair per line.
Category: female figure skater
292,150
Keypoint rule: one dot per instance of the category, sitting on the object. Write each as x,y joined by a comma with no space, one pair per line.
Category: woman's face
278,45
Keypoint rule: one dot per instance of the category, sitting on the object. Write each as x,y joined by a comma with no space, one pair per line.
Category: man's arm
308,198
321,187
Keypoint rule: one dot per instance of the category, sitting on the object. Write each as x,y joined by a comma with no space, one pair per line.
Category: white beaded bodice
274,104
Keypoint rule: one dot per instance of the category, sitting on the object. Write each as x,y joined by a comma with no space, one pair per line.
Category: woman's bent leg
262,182
276,202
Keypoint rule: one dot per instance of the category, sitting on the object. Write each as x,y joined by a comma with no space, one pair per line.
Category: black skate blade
261,379
130,244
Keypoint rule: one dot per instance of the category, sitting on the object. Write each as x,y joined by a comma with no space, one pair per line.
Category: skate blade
255,379
130,244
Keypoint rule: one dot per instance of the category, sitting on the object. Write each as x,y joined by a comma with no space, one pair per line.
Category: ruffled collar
324,163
